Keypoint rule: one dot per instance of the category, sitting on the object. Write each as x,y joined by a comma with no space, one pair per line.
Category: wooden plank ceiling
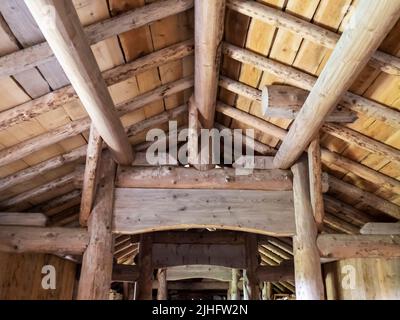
55,191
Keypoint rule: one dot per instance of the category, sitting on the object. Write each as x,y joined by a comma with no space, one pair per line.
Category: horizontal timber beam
307,30
305,81
148,210
283,272
188,178
41,53
23,219
358,246
381,228
15,239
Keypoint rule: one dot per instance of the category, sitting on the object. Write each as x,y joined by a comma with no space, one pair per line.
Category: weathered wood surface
187,178
23,219
162,290
66,38
225,255
97,263
283,272
342,246
381,228
18,239
146,210
146,268
315,179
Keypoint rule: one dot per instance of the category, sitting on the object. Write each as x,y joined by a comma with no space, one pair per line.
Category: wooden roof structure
318,81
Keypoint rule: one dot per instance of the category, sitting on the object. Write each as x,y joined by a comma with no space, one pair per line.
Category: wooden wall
21,277
375,279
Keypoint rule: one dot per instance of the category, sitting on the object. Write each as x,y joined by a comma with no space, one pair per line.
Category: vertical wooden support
308,275
250,276
95,280
315,176
267,291
91,176
234,288
145,281
162,292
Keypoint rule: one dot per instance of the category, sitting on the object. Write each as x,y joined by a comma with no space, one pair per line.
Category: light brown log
307,30
145,281
209,28
358,246
368,26
251,121
305,81
366,197
23,219
381,228
285,102
19,239
252,263
195,286
267,293
91,175
43,189
363,141
76,127
66,37
97,263
234,290
315,178
187,178
326,155
339,224
283,272
58,98
224,255
41,53
162,290
308,275
148,210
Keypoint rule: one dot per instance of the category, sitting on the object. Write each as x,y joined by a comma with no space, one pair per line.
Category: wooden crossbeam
209,28
63,31
381,228
148,210
23,219
189,178
359,41
342,246
225,255
307,30
21,239
96,271
305,81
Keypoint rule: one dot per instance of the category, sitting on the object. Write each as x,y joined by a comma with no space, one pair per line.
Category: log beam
97,263
252,263
315,178
145,281
209,28
381,228
66,37
340,246
23,219
91,175
355,47
308,274
18,239
188,178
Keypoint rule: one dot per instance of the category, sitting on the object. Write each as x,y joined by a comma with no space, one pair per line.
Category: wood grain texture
315,179
23,219
381,228
145,210
68,42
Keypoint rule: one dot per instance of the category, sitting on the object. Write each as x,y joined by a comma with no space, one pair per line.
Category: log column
250,283
145,281
308,275
97,262
162,292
